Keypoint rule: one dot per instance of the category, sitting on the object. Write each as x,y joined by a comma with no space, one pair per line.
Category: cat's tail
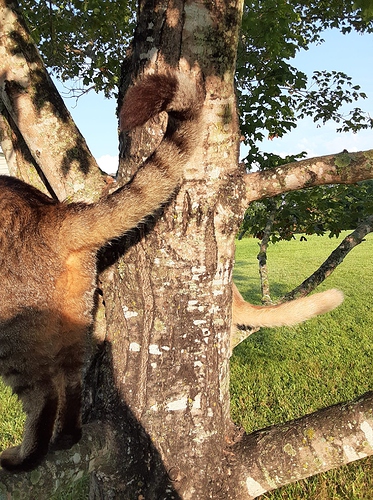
285,314
181,97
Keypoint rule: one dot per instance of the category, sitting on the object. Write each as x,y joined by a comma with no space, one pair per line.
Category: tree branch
60,469
334,259
343,168
324,440
39,114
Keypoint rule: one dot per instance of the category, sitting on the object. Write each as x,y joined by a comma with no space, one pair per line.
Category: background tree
320,210
157,395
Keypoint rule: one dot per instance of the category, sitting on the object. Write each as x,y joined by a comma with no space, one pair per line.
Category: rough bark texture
166,301
159,377
18,157
343,168
334,259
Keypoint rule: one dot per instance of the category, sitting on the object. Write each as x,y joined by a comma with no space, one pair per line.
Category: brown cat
48,269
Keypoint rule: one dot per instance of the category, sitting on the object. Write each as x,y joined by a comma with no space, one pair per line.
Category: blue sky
352,54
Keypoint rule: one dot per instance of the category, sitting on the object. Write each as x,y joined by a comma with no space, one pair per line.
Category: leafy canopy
85,40
82,40
273,94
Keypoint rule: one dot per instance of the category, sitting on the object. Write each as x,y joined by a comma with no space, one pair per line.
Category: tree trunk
262,255
167,301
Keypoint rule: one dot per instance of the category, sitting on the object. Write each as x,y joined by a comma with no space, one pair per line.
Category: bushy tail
155,181
286,314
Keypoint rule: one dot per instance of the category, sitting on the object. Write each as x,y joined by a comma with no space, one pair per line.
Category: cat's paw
12,460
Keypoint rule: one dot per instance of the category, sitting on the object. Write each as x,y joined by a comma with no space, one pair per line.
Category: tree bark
324,440
159,378
169,297
342,168
262,255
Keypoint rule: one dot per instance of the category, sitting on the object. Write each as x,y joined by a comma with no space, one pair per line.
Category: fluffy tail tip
333,298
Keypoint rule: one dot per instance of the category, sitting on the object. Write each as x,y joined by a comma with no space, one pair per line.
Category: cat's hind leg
40,403
68,429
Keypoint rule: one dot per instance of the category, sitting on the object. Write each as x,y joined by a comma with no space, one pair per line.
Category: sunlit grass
11,418
281,374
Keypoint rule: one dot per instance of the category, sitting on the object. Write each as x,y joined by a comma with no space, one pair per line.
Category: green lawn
284,373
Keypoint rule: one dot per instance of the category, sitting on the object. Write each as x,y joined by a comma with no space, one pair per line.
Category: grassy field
284,373
281,374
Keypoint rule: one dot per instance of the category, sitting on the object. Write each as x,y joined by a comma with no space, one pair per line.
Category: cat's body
48,269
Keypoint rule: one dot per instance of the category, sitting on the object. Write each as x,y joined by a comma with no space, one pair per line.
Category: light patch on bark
197,17
150,55
129,314
179,404
214,309
351,454
215,173
154,349
368,432
254,488
197,271
135,347
192,306
196,405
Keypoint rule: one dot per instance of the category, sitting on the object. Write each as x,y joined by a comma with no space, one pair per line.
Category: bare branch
324,440
343,168
334,259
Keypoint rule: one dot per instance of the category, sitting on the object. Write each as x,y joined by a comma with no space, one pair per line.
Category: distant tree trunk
262,255
335,258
